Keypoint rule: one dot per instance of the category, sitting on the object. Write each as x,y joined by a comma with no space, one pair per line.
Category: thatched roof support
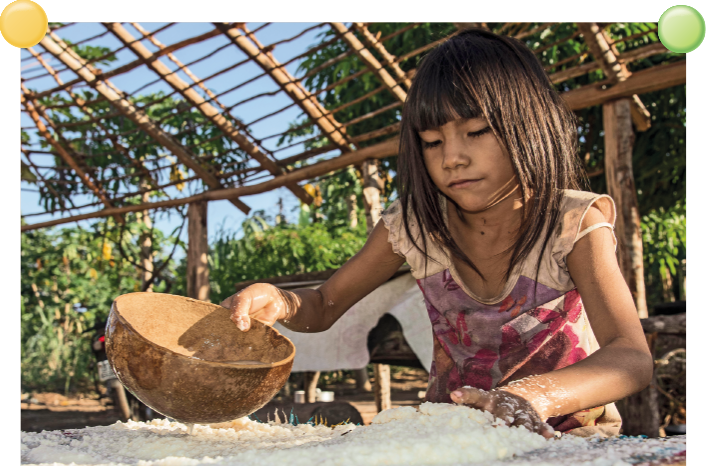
87,110
648,80
134,64
144,122
378,151
370,61
208,110
389,59
294,89
37,114
614,70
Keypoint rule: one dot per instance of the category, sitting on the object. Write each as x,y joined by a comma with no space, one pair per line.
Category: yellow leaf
310,190
136,287
107,251
175,174
93,274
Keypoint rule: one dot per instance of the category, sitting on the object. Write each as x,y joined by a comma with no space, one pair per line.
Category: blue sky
222,214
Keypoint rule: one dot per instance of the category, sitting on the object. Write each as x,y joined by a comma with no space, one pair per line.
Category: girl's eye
476,134
430,145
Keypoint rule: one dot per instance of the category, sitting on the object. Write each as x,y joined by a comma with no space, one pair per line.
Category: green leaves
267,250
69,278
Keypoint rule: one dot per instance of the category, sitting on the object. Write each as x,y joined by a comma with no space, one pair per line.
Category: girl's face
468,164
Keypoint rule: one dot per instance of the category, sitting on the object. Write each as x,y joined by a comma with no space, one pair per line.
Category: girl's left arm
623,364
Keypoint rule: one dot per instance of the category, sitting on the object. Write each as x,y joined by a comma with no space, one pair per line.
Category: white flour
436,434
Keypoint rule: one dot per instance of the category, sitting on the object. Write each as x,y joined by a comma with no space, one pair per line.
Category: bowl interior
201,330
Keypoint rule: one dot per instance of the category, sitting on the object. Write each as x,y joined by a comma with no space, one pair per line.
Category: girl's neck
498,220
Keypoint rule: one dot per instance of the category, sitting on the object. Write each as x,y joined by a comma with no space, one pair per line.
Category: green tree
69,278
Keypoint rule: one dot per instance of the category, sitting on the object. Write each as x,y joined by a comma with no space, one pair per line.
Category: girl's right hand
260,301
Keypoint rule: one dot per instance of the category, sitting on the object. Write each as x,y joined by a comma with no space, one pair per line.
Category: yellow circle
23,23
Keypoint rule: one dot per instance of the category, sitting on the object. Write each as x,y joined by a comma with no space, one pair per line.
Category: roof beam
208,110
648,80
37,114
88,111
614,70
134,64
63,53
291,86
388,58
370,61
377,151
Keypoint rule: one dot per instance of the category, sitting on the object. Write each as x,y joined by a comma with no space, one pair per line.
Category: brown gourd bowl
181,357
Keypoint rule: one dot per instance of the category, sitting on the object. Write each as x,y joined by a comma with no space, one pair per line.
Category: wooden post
197,284
362,382
351,204
382,387
310,381
619,137
372,186
146,252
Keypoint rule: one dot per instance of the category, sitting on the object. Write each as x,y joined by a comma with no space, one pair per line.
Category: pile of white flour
436,434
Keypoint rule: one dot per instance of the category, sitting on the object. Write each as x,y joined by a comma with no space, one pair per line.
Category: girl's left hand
513,409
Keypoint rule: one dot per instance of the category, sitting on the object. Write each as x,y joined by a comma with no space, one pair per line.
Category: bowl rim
123,321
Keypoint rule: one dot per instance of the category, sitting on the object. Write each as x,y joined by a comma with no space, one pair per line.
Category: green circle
681,29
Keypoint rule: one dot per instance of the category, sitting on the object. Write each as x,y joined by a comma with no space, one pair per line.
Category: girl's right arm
309,310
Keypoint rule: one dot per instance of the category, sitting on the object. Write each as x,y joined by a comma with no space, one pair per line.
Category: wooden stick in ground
208,110
197,284
616,71
619,138
310,381
383,397
67,56
146,251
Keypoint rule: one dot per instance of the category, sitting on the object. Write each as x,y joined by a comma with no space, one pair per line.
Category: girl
532,319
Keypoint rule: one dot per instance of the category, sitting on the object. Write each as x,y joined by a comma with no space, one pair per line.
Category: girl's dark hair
478,74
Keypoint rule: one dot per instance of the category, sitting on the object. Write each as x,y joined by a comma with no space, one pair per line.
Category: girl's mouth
459,184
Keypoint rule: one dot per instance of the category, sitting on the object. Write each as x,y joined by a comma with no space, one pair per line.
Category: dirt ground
53,411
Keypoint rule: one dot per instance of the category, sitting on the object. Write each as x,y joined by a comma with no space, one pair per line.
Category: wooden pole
311,379
372,186
652,79
607,56
383,398
197,284
619,138
146,251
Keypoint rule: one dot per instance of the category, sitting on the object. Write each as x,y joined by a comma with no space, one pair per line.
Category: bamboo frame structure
267,168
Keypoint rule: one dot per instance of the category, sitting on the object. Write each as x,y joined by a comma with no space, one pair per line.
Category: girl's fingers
240,310
546,430
471,397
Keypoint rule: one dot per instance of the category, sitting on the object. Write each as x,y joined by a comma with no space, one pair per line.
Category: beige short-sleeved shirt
535,325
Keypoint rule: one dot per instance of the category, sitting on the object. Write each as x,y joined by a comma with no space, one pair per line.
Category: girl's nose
455,155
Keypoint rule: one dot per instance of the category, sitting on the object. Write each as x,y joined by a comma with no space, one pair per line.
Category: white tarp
345,344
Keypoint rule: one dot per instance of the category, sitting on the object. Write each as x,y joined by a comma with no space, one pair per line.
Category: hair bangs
445,96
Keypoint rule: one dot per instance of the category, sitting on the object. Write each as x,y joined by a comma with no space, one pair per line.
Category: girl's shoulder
574,207
405,247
